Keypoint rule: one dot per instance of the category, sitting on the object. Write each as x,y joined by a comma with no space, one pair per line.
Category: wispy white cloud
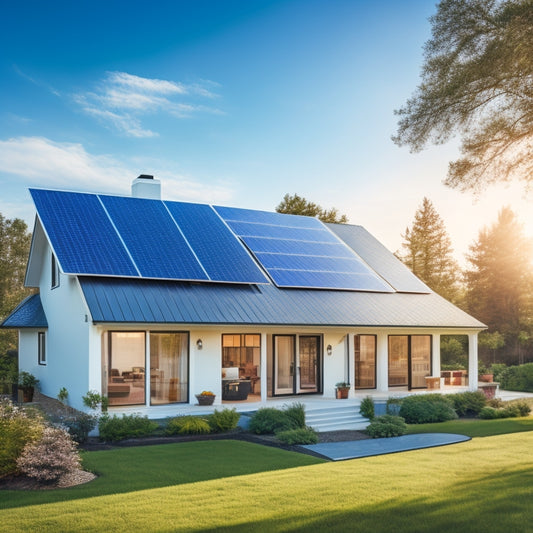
41,162
120,100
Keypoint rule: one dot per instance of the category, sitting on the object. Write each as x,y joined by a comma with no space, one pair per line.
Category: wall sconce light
199,344
329,349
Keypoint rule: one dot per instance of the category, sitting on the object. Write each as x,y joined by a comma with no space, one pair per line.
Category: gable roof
28,314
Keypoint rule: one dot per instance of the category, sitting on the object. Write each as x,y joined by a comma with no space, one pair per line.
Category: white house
151,302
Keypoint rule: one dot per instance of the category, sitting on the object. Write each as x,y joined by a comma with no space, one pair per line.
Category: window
127,361
365,361
169,368
41,347
54,272
409,360
240,350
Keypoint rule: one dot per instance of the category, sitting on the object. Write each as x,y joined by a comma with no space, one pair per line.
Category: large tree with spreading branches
477,81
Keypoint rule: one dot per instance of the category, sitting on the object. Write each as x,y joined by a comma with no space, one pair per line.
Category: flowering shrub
51,457
18,427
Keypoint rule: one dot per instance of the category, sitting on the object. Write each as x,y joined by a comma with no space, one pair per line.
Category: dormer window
55,272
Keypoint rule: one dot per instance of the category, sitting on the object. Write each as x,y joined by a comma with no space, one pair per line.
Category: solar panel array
132,237
301,252
136,237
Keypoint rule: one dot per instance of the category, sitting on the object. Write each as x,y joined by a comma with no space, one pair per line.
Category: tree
500,279
296,205
15,243
476,81
428,252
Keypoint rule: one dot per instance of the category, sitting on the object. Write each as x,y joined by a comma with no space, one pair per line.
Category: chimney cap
145,177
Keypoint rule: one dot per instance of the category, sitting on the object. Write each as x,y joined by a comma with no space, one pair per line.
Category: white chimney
145,186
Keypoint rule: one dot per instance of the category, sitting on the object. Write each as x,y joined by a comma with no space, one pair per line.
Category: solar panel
223,257
153,238
82,236
301,252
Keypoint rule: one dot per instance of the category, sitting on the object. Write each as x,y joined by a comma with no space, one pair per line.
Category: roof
28,314
114,300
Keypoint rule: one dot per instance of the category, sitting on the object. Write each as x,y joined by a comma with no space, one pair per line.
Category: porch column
264,368
382,362
435,355
472,361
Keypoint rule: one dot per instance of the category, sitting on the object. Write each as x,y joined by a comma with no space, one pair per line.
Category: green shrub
113,428
52,456
296,414
269,420
79,426
225,420
18,428
386,426
522,407
427,409
94,400
497,369
188,425
495,402
367,408
291,437
468,403
490,413
518,378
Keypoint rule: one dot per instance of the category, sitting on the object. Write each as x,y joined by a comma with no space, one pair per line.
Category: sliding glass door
409,360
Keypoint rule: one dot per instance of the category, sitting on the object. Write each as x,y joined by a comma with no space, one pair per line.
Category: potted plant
27,382
342,388
484,373
206,397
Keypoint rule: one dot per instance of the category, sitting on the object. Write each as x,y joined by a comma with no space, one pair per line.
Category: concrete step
335,418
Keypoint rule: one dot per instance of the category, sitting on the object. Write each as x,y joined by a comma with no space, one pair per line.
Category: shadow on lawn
493,503
123,470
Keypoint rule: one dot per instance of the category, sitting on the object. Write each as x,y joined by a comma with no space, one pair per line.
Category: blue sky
227,102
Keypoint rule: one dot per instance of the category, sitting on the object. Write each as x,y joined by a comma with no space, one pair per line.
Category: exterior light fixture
329,349
199,344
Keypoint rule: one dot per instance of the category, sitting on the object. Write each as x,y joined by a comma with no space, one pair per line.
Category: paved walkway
339,451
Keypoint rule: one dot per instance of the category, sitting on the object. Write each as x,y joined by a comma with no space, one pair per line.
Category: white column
382,362
472,361
264,367
435,355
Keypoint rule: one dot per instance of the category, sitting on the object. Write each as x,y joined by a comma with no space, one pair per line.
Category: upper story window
55,272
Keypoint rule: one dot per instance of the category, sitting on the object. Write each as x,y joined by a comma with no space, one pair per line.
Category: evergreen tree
428,252
500,280
297,205
14,248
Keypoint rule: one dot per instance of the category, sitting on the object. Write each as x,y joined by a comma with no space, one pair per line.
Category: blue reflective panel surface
328,280
307,262
221,254
153,239
302,252
287,246
81,234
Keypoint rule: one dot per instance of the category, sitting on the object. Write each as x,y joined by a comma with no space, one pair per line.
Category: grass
481,485
474,427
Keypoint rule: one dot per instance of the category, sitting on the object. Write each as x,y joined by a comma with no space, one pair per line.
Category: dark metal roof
28,314
114,300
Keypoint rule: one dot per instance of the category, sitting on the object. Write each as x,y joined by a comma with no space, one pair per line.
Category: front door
296,371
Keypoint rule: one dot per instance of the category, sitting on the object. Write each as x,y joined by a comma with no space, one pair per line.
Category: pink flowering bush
51,457
18,428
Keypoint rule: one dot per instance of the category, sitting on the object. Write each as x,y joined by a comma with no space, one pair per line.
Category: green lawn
474,427
482,485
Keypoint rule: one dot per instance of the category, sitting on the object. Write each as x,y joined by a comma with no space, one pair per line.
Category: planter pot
342,394
486,378
27,394
204,399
